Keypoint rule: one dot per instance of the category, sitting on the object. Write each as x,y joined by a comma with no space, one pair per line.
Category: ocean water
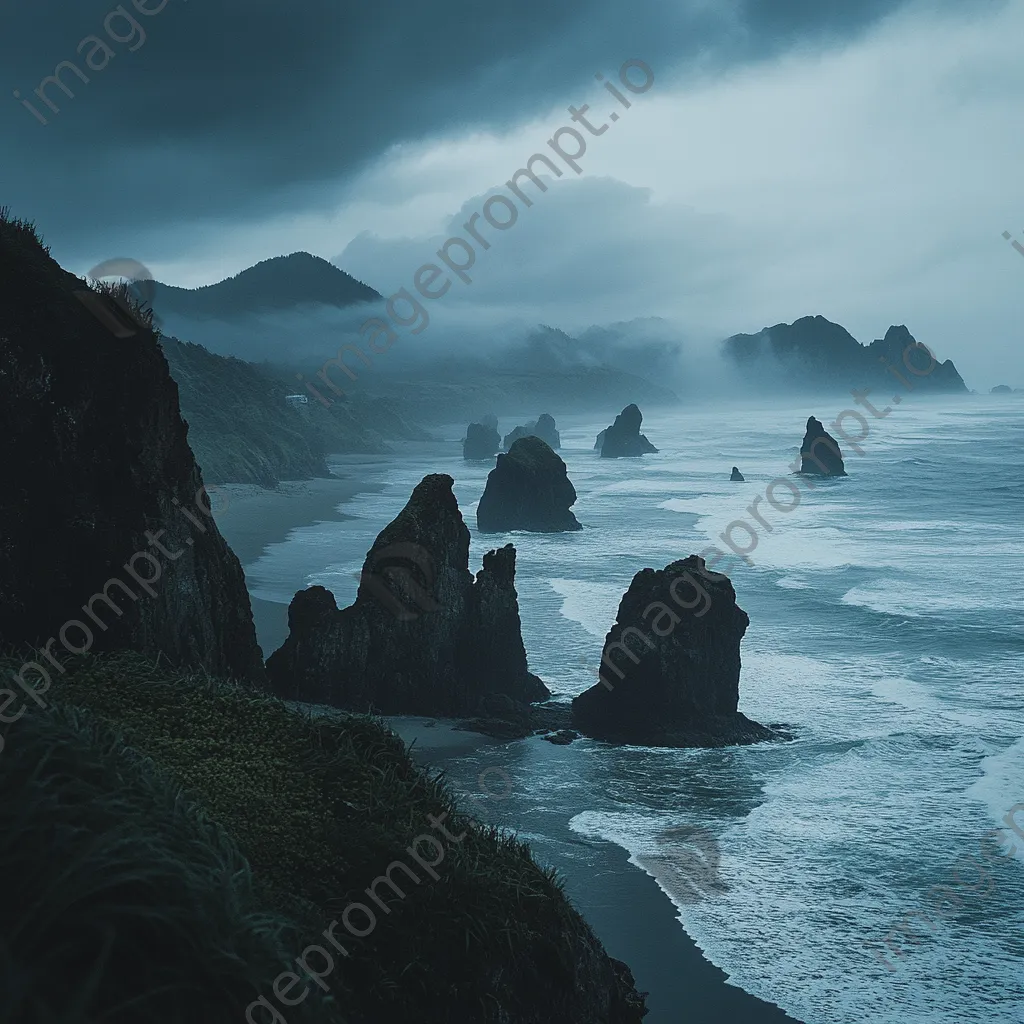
887,630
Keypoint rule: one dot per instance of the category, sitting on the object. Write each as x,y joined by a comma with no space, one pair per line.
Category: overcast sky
855,159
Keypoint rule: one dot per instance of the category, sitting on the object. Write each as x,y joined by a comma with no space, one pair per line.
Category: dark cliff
623,438
423,636
104,524
670,670
528,489
820,454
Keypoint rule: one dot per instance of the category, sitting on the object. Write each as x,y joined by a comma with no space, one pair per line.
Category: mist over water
885,630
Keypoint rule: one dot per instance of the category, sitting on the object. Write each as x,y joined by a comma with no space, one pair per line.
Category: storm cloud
226,109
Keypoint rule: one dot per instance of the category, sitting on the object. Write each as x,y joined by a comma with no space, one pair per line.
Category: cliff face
623,438
423,636
820,454
670,668
104,525
528,489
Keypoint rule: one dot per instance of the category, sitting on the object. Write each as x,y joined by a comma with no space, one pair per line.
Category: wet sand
251,518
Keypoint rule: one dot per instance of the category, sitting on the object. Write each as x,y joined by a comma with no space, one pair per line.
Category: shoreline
634,918
251,518
636,921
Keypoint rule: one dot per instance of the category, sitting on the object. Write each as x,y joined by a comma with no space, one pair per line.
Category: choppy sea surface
866,870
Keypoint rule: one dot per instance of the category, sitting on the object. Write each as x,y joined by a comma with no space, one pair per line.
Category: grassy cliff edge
210,837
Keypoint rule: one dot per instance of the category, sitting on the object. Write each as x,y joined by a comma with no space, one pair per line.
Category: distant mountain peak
278,284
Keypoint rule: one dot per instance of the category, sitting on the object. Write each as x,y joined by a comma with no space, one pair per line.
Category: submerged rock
423,636
820,454
482,442
543,427
528,489
623,438
736,475
670,669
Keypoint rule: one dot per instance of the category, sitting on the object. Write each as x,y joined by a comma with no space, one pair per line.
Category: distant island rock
543,427
482,442
814,353
423,636
623,438
528,489
736,475
1002,389
820,454
670,669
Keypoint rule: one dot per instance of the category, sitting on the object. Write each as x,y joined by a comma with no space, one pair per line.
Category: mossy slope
212,784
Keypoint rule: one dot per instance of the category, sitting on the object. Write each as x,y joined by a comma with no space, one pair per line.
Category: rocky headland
813,353
820,454
179,837
423,636
670,668
623,438
528,489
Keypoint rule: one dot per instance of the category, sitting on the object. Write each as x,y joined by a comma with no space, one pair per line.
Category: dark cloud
231,109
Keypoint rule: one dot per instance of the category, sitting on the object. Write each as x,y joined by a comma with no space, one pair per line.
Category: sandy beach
251,518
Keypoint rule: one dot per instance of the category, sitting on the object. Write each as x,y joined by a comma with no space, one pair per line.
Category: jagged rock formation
623,438
670,668
542,427
423,636
813,352
736,475
528,489
481,442
819,453
101,493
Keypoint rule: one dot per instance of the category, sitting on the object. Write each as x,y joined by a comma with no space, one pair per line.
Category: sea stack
542,427
482,442
423,637
819,453
670,669
528,489
736,475
623,438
